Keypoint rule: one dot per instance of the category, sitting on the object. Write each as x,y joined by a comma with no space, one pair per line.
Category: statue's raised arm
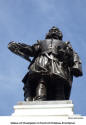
22,50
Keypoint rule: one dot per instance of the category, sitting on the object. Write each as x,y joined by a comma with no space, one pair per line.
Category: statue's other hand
76,72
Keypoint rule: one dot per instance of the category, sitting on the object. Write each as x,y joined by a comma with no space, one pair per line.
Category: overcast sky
28,21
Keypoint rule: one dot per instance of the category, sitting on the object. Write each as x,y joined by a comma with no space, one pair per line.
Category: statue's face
54,33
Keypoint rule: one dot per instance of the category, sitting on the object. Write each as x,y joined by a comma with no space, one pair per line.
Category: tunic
54,57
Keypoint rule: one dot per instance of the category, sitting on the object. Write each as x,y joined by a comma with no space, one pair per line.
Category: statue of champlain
51,70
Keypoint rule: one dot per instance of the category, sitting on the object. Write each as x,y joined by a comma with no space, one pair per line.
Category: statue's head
54,33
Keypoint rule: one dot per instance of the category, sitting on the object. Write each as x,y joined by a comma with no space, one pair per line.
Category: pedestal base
44,108
44,113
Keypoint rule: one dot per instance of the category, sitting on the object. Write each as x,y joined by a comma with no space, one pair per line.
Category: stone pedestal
43,113
44,108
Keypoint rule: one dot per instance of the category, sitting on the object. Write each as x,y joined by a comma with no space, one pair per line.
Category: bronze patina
51,70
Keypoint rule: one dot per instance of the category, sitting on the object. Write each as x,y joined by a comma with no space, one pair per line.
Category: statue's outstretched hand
13,46
19,49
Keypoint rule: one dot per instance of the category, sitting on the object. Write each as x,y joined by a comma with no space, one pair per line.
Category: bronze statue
52,68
